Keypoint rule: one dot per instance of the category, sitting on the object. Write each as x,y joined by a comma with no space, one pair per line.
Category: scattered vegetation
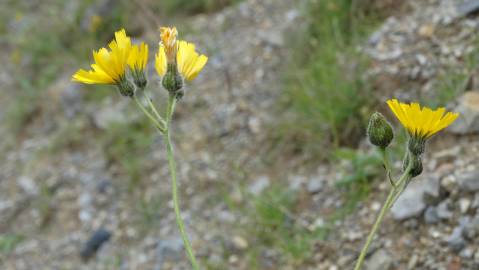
191,7
127,145
59,32
453,81
8,242
273,225
359,171
325,91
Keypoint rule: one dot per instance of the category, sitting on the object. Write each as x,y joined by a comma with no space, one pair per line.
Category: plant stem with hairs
396,190
165,128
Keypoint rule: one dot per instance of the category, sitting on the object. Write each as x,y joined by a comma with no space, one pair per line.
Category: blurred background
275,171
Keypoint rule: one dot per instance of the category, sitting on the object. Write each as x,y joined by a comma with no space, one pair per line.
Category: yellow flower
421,123
189,62
168,40
109,66
160,61
138,57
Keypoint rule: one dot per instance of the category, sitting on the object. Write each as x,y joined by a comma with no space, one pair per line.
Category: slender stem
174,188
155,111
392,196
151,117
387,165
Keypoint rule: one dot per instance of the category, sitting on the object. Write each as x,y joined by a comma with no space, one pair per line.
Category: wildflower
177,60
137,61
420,123
110,65
168,40
380,132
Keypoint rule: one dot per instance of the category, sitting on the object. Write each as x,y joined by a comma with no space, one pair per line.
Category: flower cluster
420,123
176,60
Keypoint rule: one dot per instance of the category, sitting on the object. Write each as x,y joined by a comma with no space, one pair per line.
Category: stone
426,31
72,100
96,240
469,181
259,185
412,202
239,242
443,211
112,113
455,241
274,38
314,185
471,228
27,184
431,216
380,260
464,204
468,108
467,7
169,249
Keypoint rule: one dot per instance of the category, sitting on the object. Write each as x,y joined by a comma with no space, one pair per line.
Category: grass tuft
325,92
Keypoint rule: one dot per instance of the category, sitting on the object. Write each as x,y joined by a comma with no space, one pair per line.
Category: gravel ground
57,202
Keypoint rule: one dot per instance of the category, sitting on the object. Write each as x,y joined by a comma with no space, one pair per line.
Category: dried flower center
168,40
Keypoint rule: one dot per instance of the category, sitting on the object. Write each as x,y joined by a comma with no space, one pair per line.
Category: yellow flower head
168,40
138,57
189,62
109,66
421,123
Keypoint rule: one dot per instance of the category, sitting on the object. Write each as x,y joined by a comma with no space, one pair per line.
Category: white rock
411,202
468,109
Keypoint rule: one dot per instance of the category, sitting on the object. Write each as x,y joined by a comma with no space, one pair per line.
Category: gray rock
72,100
380,260
315,185
111,113
471,228
431,216
455,241
259,185
411,203
467,7
96,240
274,38
169,250
443,211
468,108
469,181
467,253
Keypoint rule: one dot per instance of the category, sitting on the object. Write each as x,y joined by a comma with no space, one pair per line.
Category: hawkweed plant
420,124
124,64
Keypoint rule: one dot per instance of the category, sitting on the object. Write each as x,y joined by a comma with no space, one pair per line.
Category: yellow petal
160,61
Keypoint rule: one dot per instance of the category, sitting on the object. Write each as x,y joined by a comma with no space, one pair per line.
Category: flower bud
416,145
380,132
416,166
127,89
139,78
172,81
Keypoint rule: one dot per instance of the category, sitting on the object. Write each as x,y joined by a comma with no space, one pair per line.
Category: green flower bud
127,89
380,132
416,166
416,145
172,81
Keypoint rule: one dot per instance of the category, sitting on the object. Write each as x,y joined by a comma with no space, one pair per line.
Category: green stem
387,165
159,125
392,196
153,109
174,188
